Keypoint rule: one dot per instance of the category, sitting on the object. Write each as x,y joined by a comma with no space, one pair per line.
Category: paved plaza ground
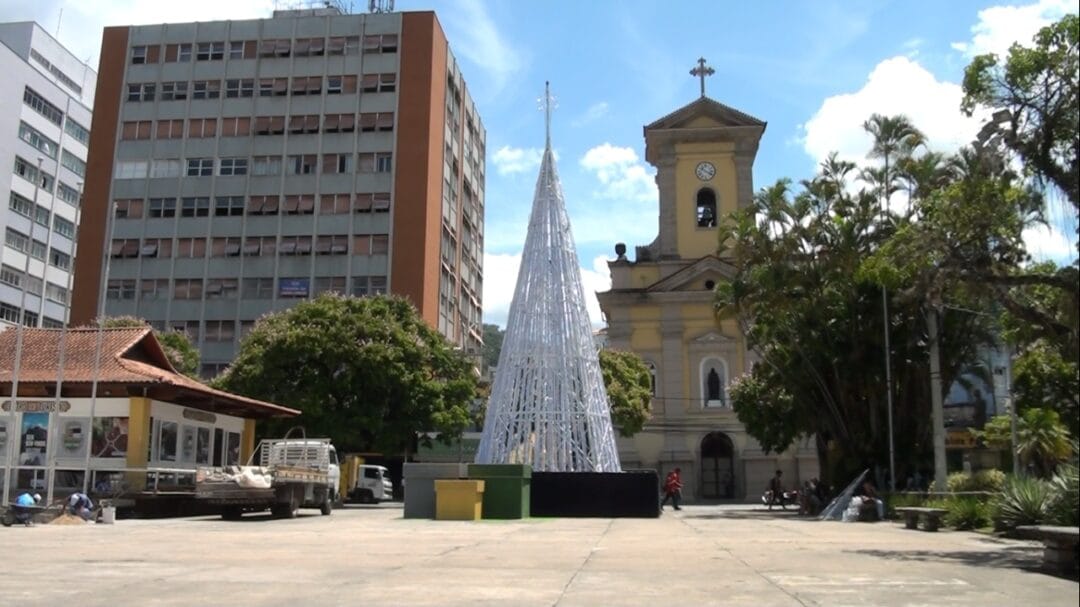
703,555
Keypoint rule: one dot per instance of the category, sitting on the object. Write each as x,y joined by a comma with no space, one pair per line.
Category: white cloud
473,35
620,172
895,86
500,280
509,160
1000,26
1048,243
595,112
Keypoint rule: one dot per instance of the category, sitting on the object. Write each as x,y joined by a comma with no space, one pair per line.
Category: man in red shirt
673,488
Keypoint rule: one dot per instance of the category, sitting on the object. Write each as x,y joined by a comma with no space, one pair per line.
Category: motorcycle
787,498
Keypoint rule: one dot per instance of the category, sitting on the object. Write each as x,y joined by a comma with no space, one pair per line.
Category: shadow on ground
754,514
1027,558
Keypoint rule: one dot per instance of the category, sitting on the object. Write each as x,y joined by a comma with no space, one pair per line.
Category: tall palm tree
923,174
894,136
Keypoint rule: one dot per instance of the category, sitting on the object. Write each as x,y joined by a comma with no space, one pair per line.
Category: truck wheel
327,506
231,513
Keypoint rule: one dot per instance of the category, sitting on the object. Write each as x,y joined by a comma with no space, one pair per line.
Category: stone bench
931,517
1059,544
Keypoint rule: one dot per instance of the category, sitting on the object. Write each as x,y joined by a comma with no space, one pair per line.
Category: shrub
957,481
1064,507
966,512
987,480
1023,501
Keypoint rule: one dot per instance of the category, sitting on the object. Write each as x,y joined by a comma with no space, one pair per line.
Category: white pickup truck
290,474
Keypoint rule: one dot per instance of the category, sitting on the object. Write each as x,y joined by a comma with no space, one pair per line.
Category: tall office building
238,167
44,130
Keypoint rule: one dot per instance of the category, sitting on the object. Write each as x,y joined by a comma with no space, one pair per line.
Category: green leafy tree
1043,379
183,354
629,388
1042,440
1037,98
493,339
367,372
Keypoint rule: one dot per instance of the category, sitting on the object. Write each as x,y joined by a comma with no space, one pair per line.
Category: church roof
128,355
704,106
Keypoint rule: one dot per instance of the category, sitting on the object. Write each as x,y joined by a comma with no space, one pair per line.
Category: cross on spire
701,71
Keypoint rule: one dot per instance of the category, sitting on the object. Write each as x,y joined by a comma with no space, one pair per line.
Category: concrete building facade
238,167
660,306
44,132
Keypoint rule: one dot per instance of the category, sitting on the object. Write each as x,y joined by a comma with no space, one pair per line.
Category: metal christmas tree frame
549,407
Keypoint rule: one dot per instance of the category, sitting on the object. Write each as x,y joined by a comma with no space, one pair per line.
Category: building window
262,205
334,204
124,248
193,248
339,123
202,127
222,288
178,53
375,162
378,202
242,49
195,207
275,48
309,47
59,259
254,246
266,165
73,163
22,206
165,167
64,227
162,207
131,169
200,167
338,85
303,164
337,163
128,208
295,245
38,141
210,51
377,121
156,247
332,245
379,83
170,129
141,91
219,330
56,293
307,85
138,54
304,124
120,289
41,106
329,284
226,246
229,206
236,127
174,91
244,87
154,288
384,43
269,125
232,167
706,208
368,285
187,288
299,205
273,87
258,288
31,173
67,194
206,89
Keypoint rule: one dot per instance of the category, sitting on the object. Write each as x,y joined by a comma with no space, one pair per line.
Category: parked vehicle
283,475
365,483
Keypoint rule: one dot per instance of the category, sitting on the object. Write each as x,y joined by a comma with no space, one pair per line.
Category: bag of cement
248,478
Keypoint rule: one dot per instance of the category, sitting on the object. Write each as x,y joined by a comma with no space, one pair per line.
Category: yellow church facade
660,306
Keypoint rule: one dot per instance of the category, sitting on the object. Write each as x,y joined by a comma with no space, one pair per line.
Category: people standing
776,490
673,488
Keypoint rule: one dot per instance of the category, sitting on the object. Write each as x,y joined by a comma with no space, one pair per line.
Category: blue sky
814,71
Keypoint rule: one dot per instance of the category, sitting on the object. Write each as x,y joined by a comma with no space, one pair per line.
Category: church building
660,306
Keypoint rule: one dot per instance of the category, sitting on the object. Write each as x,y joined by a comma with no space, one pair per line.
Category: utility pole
937,406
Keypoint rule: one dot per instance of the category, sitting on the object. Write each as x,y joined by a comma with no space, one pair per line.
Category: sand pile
67,519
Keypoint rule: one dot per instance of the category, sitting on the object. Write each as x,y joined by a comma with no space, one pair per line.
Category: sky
814,71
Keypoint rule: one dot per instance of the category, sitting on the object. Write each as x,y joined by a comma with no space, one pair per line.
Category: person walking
775,494
673,489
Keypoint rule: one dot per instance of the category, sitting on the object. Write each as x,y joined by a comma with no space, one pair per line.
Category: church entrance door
717,466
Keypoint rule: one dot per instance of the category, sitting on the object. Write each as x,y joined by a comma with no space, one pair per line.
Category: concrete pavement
703,555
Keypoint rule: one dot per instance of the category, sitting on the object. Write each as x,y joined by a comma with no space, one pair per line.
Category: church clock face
705,171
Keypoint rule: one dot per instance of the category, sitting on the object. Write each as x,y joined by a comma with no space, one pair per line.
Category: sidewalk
702,555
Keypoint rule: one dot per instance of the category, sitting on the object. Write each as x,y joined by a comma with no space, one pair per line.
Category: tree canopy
629,389
368,372
183,354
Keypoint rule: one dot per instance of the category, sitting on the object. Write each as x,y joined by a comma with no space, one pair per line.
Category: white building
44,132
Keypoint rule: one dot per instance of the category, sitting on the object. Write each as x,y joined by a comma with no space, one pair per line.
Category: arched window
706,208
714,379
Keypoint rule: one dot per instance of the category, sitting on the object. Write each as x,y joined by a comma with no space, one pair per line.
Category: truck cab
365,483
